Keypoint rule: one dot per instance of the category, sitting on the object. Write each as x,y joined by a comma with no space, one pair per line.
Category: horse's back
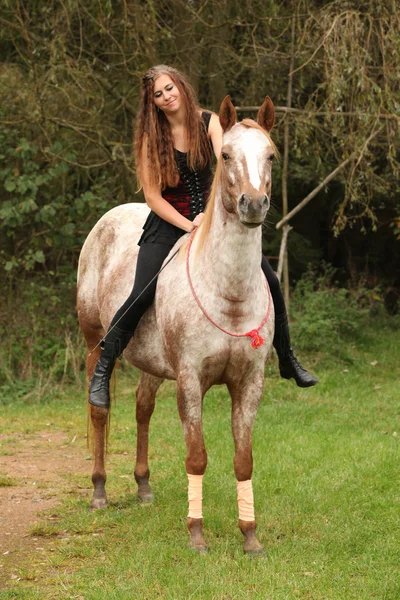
107,264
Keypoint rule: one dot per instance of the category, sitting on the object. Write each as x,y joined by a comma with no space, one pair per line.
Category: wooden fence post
286,166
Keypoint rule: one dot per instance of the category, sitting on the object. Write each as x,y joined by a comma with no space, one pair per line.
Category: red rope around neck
256,339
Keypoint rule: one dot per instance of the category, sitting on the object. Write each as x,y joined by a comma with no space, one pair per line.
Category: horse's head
246,159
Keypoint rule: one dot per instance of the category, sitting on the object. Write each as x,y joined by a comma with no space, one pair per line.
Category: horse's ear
227,114
266,114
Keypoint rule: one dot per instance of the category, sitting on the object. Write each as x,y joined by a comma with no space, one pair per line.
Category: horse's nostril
244,201
266,201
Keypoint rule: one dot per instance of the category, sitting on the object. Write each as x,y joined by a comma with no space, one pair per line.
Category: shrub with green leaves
325,317
45,214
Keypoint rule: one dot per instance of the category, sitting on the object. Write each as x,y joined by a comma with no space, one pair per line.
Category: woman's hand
198,219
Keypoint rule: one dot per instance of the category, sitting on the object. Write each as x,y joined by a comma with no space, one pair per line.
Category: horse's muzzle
253,209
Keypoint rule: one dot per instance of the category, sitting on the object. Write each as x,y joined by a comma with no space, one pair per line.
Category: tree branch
282,250
311,195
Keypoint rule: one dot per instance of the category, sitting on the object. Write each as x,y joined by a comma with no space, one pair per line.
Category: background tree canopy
69,83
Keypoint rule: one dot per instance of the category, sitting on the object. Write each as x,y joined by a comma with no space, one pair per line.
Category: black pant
150,259
274,286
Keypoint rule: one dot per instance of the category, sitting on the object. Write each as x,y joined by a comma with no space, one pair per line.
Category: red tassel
256,339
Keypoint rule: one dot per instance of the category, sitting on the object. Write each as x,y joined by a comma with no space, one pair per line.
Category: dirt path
39,467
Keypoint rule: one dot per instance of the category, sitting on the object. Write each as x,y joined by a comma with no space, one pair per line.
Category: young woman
173,159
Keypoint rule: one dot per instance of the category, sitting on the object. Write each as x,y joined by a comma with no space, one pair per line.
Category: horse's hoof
145,497
98,504
144,493
256,553
199,549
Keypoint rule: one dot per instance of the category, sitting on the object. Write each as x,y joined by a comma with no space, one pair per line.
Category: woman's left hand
198,219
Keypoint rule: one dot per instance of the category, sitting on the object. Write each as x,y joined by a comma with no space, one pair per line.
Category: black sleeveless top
189,198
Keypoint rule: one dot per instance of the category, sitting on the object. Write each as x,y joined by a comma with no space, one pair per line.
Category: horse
211,323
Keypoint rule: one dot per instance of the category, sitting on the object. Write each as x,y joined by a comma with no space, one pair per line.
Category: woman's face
166,95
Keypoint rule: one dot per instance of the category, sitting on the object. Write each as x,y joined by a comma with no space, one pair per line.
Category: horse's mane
207,219
206,222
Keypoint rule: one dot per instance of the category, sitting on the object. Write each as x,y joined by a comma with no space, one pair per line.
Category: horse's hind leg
99,418
145,402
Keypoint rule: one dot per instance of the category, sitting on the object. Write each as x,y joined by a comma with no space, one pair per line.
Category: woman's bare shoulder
214,122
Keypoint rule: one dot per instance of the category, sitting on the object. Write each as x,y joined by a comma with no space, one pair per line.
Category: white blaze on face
251,150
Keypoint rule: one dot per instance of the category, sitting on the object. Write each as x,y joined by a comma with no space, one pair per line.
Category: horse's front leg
190,403
246,398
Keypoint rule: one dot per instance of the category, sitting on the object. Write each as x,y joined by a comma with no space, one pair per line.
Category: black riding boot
288,365
114,344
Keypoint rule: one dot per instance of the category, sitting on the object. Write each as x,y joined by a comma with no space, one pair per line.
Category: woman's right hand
198,219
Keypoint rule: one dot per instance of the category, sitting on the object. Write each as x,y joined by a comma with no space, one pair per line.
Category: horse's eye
271,157
225,156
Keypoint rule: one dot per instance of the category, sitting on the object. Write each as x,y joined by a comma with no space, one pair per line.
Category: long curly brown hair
153,128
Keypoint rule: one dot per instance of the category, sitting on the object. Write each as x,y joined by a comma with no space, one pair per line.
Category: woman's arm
164,209
215,134
158,204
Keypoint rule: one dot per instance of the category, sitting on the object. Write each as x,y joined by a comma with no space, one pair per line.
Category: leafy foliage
43,217
327,318
41,344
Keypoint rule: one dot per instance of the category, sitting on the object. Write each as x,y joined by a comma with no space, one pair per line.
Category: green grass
326,486
6,481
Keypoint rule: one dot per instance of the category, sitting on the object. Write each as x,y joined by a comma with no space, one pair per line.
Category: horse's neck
231,255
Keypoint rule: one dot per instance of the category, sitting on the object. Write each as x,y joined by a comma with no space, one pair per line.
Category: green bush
325,317
41,342
46,209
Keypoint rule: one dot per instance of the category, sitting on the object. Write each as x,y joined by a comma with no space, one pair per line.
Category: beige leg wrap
245,500
195,494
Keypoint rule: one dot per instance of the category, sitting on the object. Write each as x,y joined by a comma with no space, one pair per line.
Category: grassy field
326,485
